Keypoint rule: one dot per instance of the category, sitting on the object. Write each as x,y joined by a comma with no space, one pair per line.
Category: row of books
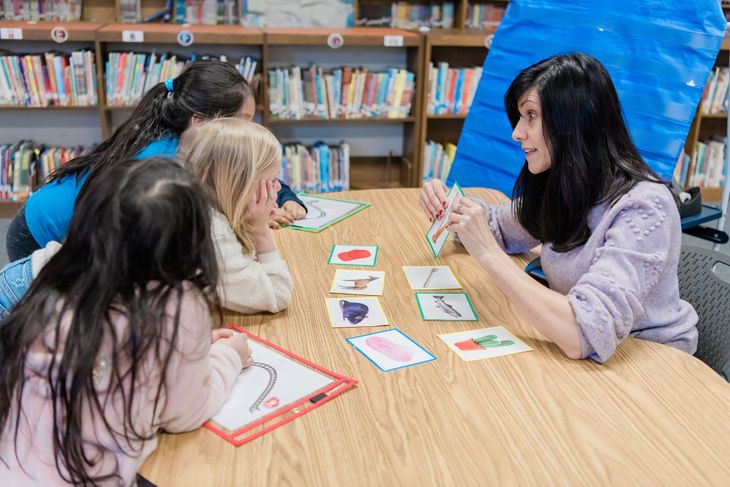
297,93
715,93
25,163
39,80
437,160
484,15
129,75
708,163
451,90
319,168
404,15
209,12
34,10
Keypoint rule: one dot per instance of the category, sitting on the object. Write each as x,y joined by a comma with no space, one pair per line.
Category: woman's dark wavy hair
593,158
206,88
135,238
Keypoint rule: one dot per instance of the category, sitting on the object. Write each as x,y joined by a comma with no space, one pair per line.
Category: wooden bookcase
704,126
459,47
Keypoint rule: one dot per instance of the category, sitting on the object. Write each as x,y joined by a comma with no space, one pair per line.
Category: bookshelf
400,165
704,127
460,48
373,48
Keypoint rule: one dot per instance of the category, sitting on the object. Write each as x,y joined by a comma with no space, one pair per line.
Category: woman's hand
468,220
260,205
433,199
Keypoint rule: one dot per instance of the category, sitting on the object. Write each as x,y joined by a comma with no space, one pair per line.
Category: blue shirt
48,211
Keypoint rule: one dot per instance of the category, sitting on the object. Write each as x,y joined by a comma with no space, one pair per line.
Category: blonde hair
227,155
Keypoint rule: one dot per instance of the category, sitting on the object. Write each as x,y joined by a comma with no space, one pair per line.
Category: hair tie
169,86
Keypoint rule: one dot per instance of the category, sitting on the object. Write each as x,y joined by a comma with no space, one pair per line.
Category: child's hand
294,210
433,199
260,206
239,343
279,217
219,333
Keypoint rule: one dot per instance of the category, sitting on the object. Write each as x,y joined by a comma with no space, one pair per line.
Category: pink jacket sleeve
200,375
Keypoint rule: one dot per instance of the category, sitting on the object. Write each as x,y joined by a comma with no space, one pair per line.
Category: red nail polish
446,203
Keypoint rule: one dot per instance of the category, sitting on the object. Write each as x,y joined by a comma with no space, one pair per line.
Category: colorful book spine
340,93
128,76
437,160
25,164
318,168
451,91
41,10
40,80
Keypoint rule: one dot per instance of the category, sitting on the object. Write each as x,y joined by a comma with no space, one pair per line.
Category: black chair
704,282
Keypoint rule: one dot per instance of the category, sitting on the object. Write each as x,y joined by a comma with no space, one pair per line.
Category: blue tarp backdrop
659,54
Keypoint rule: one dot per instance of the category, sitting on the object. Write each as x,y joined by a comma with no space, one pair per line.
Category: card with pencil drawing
431,277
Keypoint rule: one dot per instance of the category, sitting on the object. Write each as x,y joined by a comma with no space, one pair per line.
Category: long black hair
137,240
593,158
206,88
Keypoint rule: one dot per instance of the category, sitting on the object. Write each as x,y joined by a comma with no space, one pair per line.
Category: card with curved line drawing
323,212
391,349
275,389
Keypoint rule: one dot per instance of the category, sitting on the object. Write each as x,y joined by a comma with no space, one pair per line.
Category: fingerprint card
355,312
391,349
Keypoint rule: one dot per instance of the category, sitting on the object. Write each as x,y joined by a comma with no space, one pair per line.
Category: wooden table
652,415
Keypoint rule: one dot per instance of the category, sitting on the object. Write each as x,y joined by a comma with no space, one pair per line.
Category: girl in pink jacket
112,342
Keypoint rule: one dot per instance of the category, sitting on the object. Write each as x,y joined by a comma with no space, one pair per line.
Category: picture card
391,349
355,312
277,388
323,212
431,277
438,233
363,255
484,343
369,283
446,307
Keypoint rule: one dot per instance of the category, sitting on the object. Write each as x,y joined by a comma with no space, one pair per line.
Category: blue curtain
659,55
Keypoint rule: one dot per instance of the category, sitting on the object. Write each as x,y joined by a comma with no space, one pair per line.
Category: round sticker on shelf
59,34
335,41
185,38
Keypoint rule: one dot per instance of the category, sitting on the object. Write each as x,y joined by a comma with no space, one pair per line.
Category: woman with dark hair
112,341
206,89
609,227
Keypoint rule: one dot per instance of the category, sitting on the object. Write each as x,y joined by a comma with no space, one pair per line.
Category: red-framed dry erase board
276,389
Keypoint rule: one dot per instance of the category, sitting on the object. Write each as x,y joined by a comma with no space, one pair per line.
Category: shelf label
393,41
132,36
59,34
11,34
185,38
335,41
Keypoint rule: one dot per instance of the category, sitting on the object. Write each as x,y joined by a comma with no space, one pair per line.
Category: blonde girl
238,163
